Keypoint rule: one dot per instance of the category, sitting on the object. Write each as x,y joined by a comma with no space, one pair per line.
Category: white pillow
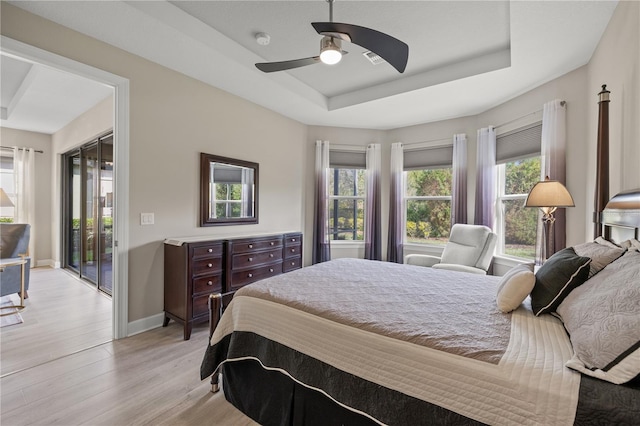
514,287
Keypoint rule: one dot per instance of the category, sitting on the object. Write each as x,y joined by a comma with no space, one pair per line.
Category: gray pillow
601,255
556,278
602,318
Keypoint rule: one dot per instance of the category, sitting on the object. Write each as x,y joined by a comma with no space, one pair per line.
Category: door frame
120,85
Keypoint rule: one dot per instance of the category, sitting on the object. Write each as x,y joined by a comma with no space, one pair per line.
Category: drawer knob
293,240
272,243
293,263
250,245
270,254
250,259
209,265
209,282
270,269
210,250
250,275
293,250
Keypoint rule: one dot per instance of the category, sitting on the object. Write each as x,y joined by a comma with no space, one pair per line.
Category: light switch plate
146,219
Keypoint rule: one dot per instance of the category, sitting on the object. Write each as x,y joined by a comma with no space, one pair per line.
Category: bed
359,342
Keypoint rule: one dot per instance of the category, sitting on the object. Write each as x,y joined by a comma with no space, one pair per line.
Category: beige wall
172,119
41,229
616,63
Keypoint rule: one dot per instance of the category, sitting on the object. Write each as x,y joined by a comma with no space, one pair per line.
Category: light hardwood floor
148,379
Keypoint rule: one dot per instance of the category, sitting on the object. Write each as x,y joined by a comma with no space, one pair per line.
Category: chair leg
26,294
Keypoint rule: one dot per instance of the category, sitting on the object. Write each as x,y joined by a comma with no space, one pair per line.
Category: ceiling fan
389,48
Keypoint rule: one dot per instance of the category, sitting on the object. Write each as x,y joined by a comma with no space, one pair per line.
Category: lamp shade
5,201
549,193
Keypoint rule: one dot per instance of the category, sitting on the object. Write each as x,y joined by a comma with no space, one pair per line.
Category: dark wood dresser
195,268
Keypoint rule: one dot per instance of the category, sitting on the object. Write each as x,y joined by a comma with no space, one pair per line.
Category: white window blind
347,159
519,144
428,158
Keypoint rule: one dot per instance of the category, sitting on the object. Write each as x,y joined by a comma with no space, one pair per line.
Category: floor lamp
548,195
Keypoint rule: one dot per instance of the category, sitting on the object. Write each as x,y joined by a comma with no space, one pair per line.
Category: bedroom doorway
87,194
120,85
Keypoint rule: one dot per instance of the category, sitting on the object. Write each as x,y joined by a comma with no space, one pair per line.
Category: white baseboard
145,324
47,262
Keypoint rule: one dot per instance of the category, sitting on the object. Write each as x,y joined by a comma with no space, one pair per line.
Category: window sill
347,243
510,261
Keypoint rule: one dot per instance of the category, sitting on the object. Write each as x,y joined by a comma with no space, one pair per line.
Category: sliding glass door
87,212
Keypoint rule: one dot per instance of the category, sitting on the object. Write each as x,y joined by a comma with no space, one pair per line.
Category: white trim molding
120,85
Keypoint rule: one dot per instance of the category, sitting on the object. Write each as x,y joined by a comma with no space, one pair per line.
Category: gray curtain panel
395,239
486,177
372,226
459,184
321,247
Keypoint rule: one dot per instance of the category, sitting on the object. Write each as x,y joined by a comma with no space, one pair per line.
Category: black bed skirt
272,397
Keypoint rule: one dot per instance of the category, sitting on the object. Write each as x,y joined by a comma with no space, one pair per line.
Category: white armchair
470,249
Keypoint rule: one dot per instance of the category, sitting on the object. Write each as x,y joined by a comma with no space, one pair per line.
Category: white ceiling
464,56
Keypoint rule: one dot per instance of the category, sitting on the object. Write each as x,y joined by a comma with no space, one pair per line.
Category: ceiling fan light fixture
330,50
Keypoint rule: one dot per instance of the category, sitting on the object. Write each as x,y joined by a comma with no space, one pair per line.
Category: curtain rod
39,151
562,103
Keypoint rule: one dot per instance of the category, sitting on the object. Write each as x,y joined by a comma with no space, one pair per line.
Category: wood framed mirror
228,191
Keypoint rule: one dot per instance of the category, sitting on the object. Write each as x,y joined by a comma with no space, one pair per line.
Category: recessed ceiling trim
24,86
455,71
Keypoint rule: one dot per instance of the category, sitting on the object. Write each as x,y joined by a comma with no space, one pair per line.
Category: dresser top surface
178,241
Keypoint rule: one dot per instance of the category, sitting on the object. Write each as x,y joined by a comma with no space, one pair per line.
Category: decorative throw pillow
604,242
560,274
602,318
632,244
514,287
601,255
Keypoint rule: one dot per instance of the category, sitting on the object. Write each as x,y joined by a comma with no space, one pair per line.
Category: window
228,200
518,157
428,204
7,213
346,203
427,195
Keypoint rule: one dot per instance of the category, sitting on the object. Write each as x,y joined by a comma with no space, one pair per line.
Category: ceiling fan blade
392,50
287,65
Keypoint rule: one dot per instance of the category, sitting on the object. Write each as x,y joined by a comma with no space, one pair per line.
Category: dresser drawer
250,260
200,306
292,239
248,276
206,265
291,264
255,244
207,284
207,250
292,251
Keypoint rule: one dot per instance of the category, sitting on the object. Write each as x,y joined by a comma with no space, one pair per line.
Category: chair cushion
466,244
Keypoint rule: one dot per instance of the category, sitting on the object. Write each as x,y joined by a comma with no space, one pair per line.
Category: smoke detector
263,39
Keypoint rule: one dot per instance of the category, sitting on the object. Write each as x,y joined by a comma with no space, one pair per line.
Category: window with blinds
428,179
518,159
347,194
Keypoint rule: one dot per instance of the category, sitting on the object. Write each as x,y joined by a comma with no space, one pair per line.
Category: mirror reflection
229,191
